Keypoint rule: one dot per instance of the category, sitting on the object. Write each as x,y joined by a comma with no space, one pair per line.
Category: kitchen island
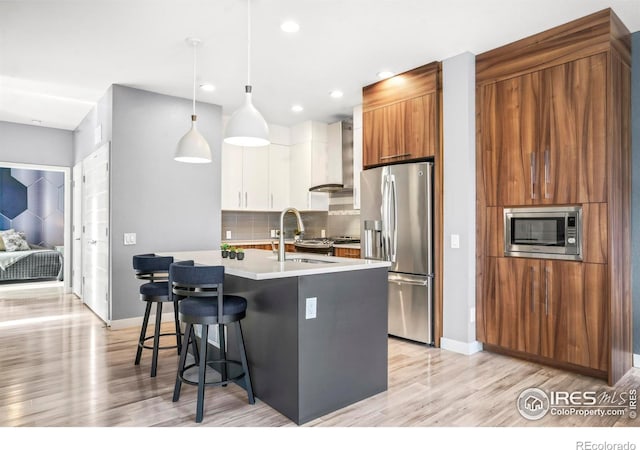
315,330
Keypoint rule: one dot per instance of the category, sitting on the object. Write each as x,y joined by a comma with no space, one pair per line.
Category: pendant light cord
249,42
195,51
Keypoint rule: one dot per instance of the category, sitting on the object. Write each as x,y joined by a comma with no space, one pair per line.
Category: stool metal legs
156,335
143,332
188,334
245,365
156,339
201,362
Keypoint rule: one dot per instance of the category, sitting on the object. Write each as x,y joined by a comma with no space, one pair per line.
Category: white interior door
76,233
95,232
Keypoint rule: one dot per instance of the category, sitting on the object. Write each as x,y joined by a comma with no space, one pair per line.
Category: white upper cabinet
245,178
308,165
232,189
279,177
257,178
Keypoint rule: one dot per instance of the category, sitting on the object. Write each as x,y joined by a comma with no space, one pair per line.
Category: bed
39,263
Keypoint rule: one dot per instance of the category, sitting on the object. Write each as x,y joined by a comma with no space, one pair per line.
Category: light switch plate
455,241
311,308
130,239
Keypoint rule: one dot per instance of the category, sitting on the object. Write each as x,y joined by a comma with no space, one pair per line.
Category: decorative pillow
2,232
14,242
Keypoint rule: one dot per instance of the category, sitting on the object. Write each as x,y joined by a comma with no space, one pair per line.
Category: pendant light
193,148
247,127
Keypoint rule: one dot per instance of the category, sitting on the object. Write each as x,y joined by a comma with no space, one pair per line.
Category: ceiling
58,57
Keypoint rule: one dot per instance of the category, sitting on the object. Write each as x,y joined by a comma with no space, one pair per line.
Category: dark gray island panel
306,368
343,351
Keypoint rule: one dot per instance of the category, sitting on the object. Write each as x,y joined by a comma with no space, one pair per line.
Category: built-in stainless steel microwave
553,232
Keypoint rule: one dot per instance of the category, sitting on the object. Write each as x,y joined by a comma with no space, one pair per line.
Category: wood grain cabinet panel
575,328
346,252
401,117
401,131
553,309
517,305
512,131
574,161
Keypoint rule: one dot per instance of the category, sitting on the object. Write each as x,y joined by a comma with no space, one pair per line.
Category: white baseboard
636,360
167,316
466,348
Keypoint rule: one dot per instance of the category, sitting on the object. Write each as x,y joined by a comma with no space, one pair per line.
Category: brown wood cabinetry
553,129
403,123
551,309
543,135
346,252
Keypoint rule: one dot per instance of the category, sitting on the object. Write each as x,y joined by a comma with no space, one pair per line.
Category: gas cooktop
327,242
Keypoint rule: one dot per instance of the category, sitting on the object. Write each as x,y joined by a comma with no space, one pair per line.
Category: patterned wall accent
32,201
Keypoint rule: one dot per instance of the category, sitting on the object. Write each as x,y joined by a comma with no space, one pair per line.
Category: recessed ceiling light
336,94
290,27
36,122
207,87
296,108
385,74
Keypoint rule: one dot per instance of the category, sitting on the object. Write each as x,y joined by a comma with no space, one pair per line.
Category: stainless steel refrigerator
397,226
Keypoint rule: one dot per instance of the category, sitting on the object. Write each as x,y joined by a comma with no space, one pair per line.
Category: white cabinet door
300,171
279,177
255,178
231,189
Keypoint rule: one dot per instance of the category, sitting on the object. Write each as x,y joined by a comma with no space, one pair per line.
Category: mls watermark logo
533,403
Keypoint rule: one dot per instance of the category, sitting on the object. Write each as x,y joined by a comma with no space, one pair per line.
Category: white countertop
263,264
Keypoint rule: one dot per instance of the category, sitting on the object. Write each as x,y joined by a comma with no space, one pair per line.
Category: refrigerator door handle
393,231
385,217
414,281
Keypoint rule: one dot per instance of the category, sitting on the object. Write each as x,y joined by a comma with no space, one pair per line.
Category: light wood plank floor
60,366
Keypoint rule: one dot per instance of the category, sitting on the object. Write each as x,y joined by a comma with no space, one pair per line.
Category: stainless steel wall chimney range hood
340,146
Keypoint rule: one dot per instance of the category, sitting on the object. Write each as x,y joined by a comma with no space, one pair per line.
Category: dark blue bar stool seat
202,298
155,269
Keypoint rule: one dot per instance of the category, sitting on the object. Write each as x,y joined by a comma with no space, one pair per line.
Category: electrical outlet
228,234
455,241
311,308
273,233
129,238
323,234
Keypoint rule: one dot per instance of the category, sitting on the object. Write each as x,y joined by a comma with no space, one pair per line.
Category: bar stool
203,302
155,269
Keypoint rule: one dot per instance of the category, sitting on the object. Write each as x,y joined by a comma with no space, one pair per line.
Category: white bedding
7,259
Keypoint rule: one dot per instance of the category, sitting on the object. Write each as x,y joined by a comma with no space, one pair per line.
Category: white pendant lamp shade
247,127
193,147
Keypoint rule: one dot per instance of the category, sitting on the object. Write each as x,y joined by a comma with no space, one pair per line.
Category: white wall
459,204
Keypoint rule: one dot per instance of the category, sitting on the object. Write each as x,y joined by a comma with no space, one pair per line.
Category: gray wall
29,144
459,298
170,205
84,142
635,190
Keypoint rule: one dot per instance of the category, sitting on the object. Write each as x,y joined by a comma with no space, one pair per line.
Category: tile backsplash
340,220
252,225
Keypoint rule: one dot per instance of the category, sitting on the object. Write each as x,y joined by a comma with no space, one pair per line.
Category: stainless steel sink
309,261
